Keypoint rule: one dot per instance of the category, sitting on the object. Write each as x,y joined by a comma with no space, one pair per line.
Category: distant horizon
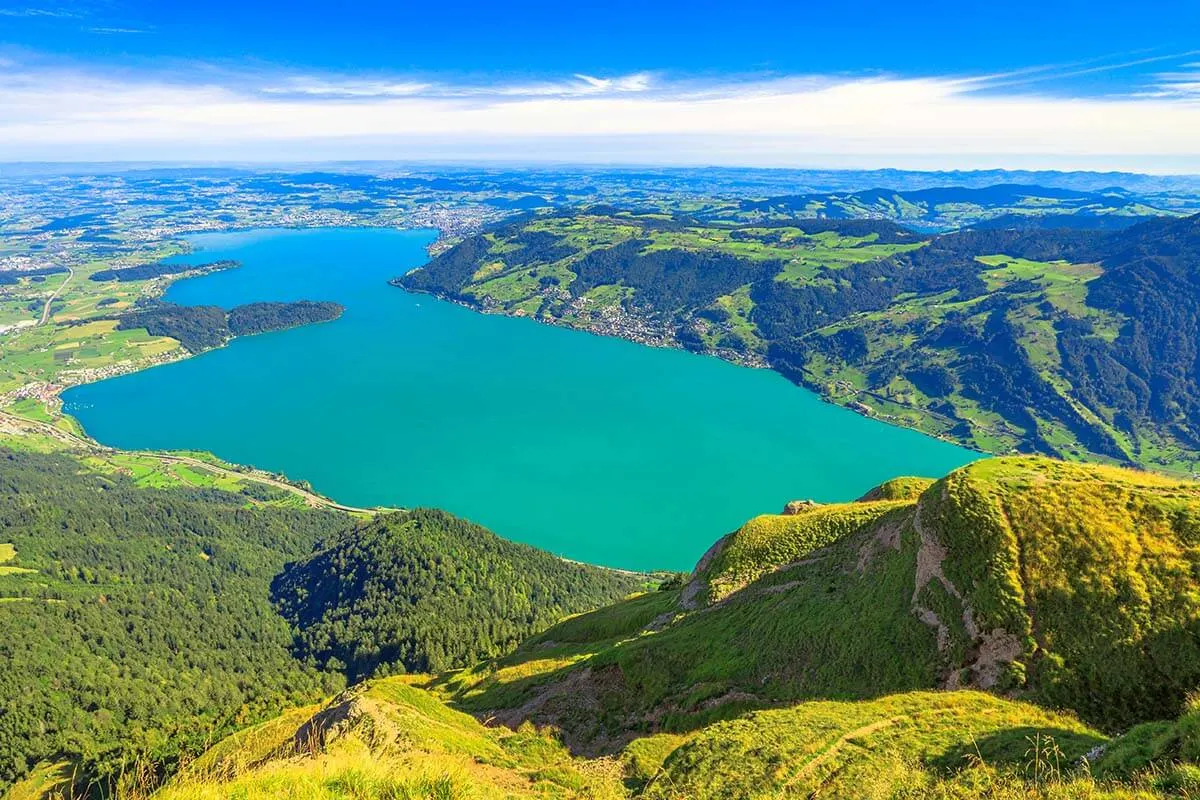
433,162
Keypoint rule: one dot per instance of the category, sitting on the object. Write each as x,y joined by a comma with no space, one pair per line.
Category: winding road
54,296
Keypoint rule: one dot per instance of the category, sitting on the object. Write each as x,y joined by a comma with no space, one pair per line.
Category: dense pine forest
424,591
138,622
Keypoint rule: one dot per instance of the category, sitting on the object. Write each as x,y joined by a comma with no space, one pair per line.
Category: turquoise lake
594,448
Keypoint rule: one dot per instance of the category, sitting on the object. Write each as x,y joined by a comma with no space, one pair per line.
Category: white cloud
37,12
352,87
638,82
1185,83
347,88
59,113
578,84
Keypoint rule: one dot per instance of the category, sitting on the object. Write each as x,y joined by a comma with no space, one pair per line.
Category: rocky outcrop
799,507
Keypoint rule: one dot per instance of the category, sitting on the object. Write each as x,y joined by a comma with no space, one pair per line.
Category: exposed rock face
349,711
996,650
696,589
800,506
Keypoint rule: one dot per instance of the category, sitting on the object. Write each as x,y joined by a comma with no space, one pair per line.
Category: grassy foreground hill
1021,628
390,739
1065,342
1070,585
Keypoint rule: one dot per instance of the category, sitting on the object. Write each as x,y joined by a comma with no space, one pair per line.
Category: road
50,300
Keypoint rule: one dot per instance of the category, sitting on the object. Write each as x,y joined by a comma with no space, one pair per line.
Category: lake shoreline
513,426
725,355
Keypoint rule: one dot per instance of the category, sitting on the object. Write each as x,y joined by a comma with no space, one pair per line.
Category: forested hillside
138,622
158,269
424,591
137,625
1067,342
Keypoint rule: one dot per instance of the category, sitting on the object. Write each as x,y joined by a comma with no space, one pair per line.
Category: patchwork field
80,340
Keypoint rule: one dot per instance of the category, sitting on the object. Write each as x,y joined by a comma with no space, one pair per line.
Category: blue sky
1051,83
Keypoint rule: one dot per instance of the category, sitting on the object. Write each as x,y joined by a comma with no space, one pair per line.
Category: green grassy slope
1090,571
907,488
1068,584
389,739
822,620
876,748
771,541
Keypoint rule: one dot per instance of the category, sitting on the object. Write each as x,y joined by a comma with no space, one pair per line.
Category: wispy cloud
104,30
71,112
312,87
38,12
1065,72
1183,83
575,86
355,87
638,82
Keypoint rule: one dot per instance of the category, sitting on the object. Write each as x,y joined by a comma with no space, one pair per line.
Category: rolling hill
951,207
